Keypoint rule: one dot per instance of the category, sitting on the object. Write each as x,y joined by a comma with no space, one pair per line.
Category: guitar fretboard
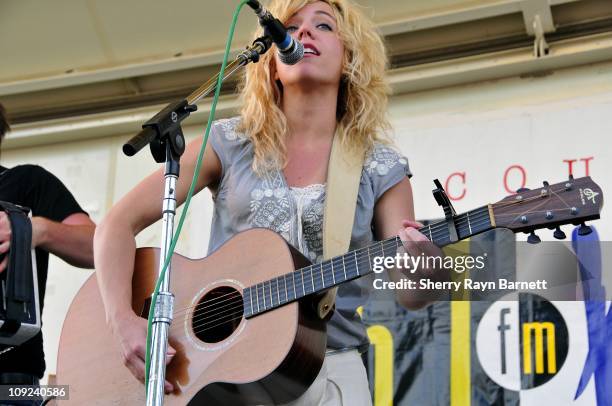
316,278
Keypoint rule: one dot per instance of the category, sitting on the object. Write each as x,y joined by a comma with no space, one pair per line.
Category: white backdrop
478,130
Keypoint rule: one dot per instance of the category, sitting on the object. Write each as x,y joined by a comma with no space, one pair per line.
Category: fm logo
522,341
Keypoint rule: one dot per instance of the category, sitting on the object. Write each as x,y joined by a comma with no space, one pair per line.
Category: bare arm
394,215
71,240
115,246
114,243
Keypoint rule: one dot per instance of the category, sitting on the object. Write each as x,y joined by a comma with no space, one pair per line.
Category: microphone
290,50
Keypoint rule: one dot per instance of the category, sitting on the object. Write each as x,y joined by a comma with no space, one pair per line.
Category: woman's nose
304,30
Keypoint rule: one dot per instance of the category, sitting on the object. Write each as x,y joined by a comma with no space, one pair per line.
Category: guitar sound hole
217,314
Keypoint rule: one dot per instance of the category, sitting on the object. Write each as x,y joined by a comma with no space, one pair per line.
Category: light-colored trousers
342,381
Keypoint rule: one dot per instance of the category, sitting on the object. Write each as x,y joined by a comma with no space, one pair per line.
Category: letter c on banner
460,175
523,180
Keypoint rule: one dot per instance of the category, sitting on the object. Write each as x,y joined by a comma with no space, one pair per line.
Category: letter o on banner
522,174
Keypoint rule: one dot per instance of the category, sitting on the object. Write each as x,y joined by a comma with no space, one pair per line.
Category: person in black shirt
59,226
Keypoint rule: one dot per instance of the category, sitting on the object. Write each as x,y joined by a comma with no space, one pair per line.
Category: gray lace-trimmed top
243,200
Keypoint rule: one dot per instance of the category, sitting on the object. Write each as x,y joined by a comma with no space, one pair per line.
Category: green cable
194,180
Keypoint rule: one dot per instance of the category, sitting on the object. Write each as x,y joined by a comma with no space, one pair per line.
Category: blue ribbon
598,362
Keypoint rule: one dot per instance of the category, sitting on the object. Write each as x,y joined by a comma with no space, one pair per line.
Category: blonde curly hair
362,98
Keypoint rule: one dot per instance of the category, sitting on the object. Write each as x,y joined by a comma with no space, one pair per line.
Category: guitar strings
224,317
437,231
217,313
476,220
518,215
219,320
219,316
541,196
438,227
237,304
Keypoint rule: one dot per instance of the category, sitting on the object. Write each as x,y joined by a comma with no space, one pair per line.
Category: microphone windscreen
293,55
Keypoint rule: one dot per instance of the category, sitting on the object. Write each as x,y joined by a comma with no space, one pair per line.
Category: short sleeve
51,198
385,167
226,141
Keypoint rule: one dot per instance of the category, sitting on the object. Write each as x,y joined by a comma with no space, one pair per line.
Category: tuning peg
559,234
523,189
584,229
533,238
570,183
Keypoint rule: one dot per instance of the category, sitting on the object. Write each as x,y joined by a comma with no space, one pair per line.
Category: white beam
459,14
104,124
570,53
113,73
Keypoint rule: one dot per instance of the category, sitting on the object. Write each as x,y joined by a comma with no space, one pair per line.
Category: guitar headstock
571,202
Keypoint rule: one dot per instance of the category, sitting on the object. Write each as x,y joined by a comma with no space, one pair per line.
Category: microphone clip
259,47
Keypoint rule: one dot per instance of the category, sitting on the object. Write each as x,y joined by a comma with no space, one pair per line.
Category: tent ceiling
54,37
69,57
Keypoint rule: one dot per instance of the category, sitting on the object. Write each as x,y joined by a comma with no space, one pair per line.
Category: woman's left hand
417,244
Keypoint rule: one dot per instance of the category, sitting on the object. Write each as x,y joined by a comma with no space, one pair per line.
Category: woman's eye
291,28
325,26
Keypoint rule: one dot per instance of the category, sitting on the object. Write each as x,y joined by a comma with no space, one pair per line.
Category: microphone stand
165,137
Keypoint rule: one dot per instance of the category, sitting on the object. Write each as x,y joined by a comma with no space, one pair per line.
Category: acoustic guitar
245,326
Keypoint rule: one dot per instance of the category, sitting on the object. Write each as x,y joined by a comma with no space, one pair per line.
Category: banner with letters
500,346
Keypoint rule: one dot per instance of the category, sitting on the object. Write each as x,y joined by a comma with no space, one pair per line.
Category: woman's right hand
131,332
115,246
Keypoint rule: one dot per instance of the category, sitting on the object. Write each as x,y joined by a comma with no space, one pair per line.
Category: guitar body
222,357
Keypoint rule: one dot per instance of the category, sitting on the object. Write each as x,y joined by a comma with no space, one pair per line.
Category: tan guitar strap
343,177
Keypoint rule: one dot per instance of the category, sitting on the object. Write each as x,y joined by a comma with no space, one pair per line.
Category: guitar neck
316,278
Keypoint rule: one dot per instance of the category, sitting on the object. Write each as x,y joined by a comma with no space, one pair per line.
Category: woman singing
268,168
